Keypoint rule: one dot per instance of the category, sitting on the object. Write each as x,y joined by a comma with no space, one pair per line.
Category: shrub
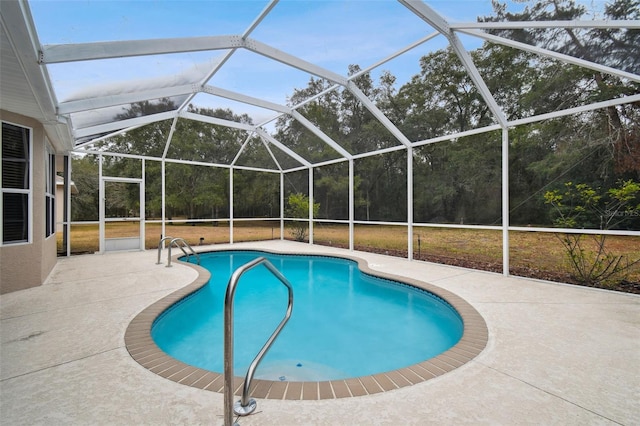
580,206
298,207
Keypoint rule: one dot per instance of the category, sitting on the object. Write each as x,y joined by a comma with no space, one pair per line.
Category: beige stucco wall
28,265
59,207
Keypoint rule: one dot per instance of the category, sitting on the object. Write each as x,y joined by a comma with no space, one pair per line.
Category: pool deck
556,355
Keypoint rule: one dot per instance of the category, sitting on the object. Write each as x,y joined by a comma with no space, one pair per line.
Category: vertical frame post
281,205
66,227
410,202
310,205
231,205
101,229
163,207
505,201
351,204
143,224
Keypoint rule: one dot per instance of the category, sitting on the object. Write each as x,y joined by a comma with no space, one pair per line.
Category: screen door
121,211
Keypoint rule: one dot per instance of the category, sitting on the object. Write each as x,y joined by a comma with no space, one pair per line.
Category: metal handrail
245,406
162,240
184,244
176,241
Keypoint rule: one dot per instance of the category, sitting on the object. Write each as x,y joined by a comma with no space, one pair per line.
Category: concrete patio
557,354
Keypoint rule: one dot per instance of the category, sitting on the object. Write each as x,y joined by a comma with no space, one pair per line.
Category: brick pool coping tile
143,349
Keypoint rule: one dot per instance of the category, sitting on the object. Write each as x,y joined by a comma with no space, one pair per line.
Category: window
50,194
16,183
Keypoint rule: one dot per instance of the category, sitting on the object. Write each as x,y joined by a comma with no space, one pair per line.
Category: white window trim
29,192
50,170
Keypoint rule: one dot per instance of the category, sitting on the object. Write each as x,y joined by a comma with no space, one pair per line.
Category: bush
298,207
581,206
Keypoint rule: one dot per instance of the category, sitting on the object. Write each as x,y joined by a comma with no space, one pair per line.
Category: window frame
50,188
28,191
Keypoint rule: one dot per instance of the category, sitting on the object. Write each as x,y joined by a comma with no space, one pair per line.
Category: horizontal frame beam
551,54
123,124
79,105
234,96
319,133
283,148
517,25
216,121
75,52
293,61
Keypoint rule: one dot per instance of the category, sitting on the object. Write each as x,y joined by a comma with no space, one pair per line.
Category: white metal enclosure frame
128,243
19,23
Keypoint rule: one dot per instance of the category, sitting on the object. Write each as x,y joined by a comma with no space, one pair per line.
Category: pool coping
145,352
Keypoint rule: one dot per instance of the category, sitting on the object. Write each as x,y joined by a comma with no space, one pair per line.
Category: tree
85,177
331,185
581,206
457,180
298,207
615,47
322,112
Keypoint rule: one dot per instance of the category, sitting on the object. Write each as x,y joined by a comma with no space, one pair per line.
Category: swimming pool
345,323
276,384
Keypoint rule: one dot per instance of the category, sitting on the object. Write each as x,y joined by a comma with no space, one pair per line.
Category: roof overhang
25,86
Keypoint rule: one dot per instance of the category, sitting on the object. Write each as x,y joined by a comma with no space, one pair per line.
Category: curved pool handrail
246,406
181,243
162,240
181,246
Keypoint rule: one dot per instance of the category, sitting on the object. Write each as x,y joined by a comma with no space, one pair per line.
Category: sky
331,34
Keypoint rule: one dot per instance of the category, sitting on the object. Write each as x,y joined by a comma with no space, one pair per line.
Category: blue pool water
344,324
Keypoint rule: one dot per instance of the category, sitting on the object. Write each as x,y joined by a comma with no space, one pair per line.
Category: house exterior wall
59,207
28,265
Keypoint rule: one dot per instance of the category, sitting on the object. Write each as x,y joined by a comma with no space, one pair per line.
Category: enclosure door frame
104,247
